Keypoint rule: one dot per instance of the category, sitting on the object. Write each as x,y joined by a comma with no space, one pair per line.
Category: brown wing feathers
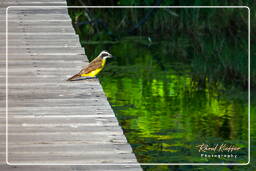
96,63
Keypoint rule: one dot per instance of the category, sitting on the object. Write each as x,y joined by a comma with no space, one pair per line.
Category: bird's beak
111,56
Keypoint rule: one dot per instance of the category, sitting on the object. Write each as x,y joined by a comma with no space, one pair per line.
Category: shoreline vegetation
213,42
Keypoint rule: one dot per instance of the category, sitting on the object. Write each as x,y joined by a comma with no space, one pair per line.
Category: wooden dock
52,121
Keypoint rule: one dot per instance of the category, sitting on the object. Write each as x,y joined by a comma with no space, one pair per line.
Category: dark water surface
165,111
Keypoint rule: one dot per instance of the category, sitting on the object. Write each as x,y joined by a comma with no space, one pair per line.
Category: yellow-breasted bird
94,67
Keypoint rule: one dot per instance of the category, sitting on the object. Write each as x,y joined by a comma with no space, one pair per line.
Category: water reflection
164,111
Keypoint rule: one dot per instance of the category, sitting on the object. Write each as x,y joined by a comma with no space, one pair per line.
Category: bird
93,68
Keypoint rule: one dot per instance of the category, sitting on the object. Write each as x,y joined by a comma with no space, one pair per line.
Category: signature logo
218,150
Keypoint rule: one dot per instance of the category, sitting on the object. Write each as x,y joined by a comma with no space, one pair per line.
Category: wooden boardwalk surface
50,120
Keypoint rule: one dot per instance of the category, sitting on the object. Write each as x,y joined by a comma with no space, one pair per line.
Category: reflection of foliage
165,114
213,41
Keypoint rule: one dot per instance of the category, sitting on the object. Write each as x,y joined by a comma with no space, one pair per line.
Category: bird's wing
95,64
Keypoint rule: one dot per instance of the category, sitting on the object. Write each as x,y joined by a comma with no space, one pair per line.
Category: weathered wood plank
35,11
38,23
28,3
59,110
81,57
17,26
41,37
36,17
67,159
66,50
39,30
31,1
42,44
52,120
72,168
69,147
91,129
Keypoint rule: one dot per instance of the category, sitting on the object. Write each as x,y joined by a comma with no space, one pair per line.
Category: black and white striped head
104,54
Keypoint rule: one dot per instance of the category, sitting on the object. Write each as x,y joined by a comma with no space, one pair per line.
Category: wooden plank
71,168
71,110
87,138
69,147
42,41
48,51
41,37
18,26
92,86
36,17
55,120
57,81
31,11
68,93
67,159
28,3
31,1
57,112
39,23
19,2
19,58
92,129
18,64
46,66
40,30
41,44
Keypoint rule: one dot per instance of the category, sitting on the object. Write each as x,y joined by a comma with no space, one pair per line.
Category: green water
179,79
165,111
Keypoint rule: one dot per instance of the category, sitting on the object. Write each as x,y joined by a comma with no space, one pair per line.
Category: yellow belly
92,74
96,71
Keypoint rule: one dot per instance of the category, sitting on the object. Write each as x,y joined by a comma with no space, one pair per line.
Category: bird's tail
74,77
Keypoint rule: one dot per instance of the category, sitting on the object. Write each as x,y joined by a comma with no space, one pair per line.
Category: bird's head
104,54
